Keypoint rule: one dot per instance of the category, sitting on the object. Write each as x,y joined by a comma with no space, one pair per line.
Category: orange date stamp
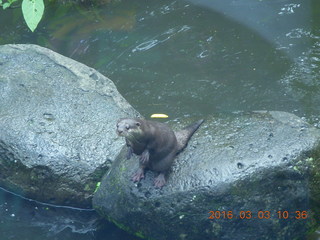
258,215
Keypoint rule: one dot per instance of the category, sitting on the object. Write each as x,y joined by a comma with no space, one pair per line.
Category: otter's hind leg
160,181
139,174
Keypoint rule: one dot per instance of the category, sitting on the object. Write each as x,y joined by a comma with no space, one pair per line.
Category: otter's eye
127,127
138,124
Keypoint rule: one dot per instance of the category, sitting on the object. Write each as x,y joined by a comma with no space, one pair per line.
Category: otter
155,144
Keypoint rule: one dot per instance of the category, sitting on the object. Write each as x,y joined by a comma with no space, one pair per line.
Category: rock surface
57,119
245,167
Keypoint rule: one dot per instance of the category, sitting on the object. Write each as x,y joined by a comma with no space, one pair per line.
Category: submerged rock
57,120
243,176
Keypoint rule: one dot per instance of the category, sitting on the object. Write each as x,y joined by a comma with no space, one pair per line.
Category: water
24,219
194,57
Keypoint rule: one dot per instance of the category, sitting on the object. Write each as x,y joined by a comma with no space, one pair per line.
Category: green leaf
32,12
6,5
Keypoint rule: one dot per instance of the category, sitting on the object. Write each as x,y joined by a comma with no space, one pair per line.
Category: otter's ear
138,124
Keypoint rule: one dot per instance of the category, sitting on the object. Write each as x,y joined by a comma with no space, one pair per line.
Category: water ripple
288,9
203,54
160,38
146,45
299,32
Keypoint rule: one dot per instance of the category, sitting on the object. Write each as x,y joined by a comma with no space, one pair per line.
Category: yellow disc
159,115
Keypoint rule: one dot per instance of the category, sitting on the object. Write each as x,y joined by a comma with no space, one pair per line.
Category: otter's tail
185,134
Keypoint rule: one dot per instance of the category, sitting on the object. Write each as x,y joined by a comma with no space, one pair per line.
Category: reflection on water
181,58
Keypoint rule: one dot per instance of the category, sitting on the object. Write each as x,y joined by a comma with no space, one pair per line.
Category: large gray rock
247,167
57,119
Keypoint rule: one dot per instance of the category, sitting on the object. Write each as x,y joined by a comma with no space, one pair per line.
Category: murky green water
194,57
23,219
179,57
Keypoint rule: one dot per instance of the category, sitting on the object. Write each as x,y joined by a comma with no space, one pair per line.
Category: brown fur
155,143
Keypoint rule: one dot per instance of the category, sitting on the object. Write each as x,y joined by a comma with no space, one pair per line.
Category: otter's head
129,128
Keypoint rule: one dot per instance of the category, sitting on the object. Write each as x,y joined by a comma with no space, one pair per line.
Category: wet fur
155,143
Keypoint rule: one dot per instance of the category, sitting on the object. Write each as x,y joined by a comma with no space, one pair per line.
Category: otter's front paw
139,174
144,158
129,152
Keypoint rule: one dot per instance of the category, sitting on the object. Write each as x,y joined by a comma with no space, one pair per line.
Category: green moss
139,234
127,229
119,225
123,169
87,187
97,186
314,181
